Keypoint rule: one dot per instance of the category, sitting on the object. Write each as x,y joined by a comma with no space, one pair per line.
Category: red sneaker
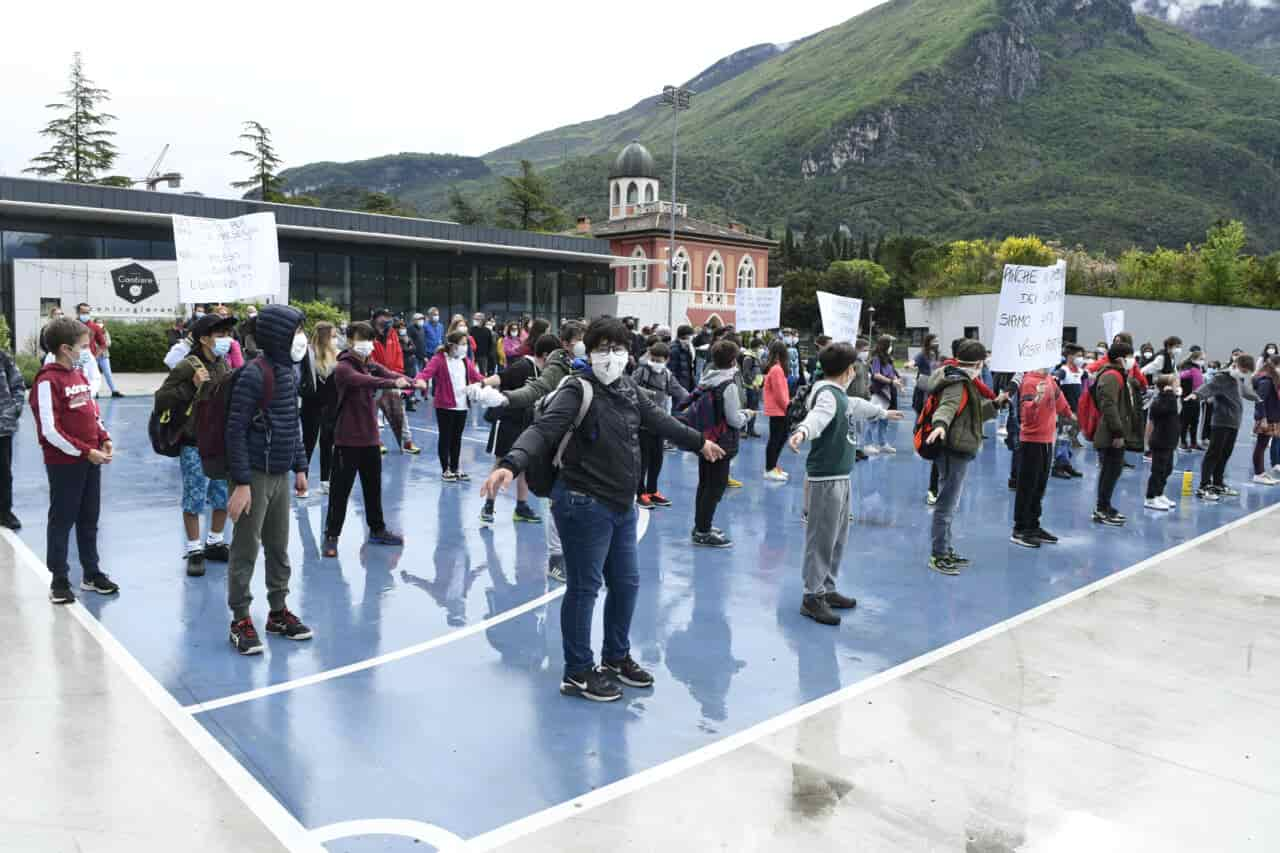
658,499
645,501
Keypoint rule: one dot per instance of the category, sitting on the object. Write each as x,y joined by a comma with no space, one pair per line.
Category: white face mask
1177,351
1078,361
253,314
364,349
1146,354
457,351
608,366
1129,362
579,349
659,366
299,348
1271,351
863,355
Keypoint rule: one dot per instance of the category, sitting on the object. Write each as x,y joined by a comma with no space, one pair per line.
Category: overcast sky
354,80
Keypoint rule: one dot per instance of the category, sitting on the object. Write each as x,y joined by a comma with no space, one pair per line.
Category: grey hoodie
1225,391
732,398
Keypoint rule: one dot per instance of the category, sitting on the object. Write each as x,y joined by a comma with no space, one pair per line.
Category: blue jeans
951,472
104,366
599,546
879,432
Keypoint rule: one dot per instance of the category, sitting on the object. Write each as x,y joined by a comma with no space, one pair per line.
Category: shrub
29,366
138,347
6,334
321,311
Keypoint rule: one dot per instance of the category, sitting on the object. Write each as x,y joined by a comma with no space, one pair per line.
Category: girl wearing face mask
777,399
1191,377
885,384
593,502
452,373
1269,351
320,398
190,381
1266,419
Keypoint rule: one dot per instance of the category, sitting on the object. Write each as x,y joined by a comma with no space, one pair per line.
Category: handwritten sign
758,308
1029,319
841,316
1112,325
227,260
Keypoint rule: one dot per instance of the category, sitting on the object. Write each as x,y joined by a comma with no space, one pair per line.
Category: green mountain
1248,28
419,181
1072,119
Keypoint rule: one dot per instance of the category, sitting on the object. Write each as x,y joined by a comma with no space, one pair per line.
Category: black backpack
798,408
165,426
542,473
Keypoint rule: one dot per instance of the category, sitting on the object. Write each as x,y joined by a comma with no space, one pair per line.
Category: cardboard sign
1028,333
758,308
227,260
1112,325
841,316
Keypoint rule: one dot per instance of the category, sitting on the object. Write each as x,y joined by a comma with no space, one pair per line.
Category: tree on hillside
1223,268
82,146
462,210
386,204
262,155
526,202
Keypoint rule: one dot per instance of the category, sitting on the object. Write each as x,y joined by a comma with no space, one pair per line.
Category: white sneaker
1168,503
1002,432
324,487
871,450
775,476
1263,480
302,495
1275,472
931,498
888,448
1156,504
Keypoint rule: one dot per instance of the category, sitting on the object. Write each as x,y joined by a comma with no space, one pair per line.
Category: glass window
400,285
433,285
302,274
162,250
117,248
368,285
1069,334
746,272
638,272
682,269
518,291
544,292
633,193
331,279
572,288
972,333
25,244
648,193
492,291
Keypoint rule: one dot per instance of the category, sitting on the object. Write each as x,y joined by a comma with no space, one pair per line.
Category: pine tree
82,145
526,203
265,162
864,253
462,211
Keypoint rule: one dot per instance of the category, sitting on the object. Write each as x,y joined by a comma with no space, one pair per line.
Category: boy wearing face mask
1226,391
720,379
355,439
189,382
267,459
511,422
682,357
1070,377
76,446
1118,428
654,379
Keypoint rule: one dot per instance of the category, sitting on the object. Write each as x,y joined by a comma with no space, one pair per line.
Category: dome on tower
635,161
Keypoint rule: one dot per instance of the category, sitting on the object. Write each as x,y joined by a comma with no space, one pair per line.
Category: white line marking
441,839
259,801
600,796
370,663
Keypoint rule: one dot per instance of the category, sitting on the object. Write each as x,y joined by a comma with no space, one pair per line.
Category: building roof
634,161
92,203
697,229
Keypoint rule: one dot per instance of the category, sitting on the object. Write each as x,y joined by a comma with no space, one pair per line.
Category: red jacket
1038,418
387,352
67,420
97,338
777,395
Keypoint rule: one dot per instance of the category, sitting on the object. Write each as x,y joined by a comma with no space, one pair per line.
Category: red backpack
924,424
1087,410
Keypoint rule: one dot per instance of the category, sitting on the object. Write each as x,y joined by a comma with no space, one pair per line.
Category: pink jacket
235,358
445,393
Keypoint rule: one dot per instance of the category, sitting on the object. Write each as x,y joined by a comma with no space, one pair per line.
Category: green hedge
138,347
29,365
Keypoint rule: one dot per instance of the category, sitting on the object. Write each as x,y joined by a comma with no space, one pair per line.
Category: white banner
1112,325
227,260
841,316
1028,332
758,308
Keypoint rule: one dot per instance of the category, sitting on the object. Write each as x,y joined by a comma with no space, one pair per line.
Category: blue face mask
221,346
86,358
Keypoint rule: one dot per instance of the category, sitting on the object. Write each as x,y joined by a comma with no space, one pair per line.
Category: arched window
681,270
633,193
714,281
639,277
746,273
648,193
617,196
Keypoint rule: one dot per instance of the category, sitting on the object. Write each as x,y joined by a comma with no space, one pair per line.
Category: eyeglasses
608,350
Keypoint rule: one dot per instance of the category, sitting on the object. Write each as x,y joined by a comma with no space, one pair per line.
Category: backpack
1088,412
703,410
212,413
924,424
165,426
798,408
542,472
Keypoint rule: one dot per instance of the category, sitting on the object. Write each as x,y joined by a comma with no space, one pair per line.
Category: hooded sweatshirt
356,380
1225,392
716,377
272,443
67,418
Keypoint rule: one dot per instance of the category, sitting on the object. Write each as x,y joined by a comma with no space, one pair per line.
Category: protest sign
1112,325
1028,332
227,260
758,308
841,316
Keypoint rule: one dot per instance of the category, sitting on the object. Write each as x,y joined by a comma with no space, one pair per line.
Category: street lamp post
679,99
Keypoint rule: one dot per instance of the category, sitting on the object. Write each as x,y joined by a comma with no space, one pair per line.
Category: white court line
600,796
256,798
358,666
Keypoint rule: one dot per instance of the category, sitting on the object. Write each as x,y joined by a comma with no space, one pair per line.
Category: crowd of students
585,417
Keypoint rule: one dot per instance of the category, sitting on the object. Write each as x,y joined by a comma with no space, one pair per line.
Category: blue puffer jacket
275,446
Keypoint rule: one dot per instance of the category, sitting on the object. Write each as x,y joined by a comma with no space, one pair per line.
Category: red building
711,261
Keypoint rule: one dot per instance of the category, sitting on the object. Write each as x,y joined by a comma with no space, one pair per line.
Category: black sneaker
1013,485
245,637
592,684
116,395
486,513
628,672
840,602
943,565
1026,540
100,584
1061,473
859,456
1129,464
1102,517
60,591
711,540
1045,536
195,564
10,521
287,625
217,552
1225,492
817,609
1117,514
1075,472
524,513
957,559
555,568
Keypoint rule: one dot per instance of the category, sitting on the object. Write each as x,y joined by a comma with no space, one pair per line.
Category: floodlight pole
678,98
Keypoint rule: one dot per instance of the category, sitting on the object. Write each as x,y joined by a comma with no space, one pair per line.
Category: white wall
649,307
1217,329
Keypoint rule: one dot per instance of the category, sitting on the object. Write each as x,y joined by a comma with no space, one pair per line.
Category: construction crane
154,178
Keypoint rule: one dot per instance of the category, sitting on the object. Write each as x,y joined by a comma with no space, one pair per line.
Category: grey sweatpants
266,523
827,506
554,549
